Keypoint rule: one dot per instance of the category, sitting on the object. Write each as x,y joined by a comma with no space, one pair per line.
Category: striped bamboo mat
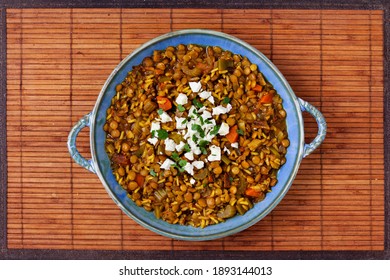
58,59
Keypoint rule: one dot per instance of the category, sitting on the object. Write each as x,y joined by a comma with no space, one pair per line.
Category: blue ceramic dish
100,163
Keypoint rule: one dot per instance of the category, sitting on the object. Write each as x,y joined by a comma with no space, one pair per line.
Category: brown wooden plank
337,199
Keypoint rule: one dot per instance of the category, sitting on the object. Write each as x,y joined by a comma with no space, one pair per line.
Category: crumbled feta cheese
167,164
153,140
189,168
180,146
235,145
195,86
155,126
215,153
189,155
224,129
205,94
219,110
198,164
192,110
226,150
169,145
181,99
165,117
206,115
180,123
194,147
192,181
211,99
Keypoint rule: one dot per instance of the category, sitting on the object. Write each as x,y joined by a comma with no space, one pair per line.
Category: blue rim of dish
233,225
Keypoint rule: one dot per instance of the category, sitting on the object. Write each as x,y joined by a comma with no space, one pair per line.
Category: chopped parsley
160,111
162,134
226,100
153,173
203,143
240,131
197,103
187,147
175,156
199,129
215,130
194,138
182,162
181,108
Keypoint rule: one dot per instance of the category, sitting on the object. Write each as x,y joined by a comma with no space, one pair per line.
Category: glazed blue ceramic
100,163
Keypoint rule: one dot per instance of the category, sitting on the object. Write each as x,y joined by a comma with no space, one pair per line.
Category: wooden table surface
58,59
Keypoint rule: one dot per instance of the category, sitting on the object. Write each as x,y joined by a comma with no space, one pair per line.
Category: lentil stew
196,134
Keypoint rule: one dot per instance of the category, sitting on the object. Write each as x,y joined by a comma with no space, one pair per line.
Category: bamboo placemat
58,59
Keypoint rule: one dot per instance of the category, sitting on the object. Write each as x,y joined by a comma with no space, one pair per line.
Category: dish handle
77,157
321,123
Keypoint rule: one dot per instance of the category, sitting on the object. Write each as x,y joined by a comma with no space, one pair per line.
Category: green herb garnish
199,129
187,147
153,173
240,131
162,134
226,100
215,130
203,143
181,108
160,111
194,138
197,103
182,162
175,156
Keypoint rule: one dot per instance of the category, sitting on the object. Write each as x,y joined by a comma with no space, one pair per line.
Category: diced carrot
140,179
164,103
257,88
252,192
267,98
211,179
232,136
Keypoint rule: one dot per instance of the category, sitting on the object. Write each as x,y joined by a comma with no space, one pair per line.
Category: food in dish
196,134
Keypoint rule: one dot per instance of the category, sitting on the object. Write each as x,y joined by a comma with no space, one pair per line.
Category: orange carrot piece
258,88
140,180
232,136
252,192
267,98
164,103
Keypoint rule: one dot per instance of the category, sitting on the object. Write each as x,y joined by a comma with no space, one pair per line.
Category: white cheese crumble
220,110
192,181
235,145
169,145
189,168
167,164
226,150
165,117
195,86
204,94
155,126
189,155
215,153
153,140
180,146
211,99
224,129
198,164
182,99
180,123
